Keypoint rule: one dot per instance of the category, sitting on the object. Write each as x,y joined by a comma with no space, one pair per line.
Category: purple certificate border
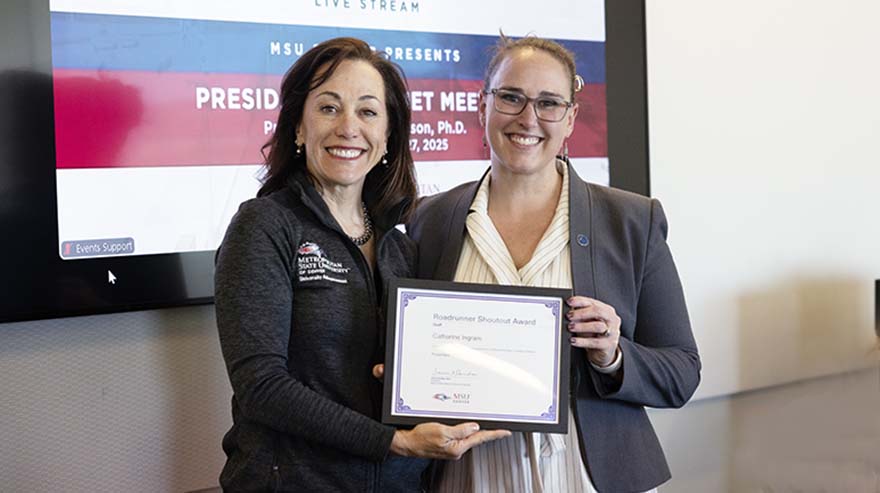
400,407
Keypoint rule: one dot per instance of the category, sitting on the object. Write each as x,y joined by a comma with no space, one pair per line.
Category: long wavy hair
391,185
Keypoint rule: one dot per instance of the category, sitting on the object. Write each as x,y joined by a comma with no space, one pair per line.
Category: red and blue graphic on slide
143,91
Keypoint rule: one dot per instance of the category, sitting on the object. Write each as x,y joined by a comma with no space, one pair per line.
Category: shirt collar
481,200
494,253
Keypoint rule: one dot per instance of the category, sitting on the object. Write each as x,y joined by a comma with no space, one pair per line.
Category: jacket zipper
276,473
371,289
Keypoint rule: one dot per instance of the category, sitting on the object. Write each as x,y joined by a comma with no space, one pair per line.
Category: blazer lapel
581,238
454,240
582,244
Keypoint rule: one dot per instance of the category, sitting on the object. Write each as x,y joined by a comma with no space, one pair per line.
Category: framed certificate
497,355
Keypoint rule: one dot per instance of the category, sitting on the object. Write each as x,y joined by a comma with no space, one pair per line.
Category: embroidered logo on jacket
312,264
309,248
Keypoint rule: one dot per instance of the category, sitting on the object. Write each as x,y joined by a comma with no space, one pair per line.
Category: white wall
134,402
765,150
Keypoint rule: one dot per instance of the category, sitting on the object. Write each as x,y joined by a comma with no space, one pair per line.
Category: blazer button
583,240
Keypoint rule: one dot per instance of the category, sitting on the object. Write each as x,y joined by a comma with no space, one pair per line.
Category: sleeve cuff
613,367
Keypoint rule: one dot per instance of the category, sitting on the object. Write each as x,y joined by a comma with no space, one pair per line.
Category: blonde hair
506,46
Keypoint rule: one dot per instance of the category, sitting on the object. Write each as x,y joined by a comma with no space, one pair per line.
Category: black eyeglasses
547,108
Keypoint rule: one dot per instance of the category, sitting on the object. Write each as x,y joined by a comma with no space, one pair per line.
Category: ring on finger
606,333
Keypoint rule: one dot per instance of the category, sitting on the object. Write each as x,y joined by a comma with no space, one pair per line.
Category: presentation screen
164,106
157,113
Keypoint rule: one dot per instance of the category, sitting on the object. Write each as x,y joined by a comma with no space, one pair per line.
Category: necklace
368,228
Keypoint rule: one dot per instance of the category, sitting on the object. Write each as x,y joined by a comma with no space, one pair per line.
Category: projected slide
161,109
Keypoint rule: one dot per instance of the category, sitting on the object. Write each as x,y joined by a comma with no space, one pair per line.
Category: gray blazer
619,256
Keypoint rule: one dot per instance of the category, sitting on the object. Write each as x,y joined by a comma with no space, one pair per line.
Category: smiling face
522,144
344,125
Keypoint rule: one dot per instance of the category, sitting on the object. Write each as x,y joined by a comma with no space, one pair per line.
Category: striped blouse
524,462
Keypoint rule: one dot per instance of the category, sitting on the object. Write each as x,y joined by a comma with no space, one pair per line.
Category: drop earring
565,151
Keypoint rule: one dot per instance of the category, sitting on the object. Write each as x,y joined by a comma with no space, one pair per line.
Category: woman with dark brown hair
299,281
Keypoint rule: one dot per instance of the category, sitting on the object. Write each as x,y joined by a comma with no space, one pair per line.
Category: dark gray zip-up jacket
300,328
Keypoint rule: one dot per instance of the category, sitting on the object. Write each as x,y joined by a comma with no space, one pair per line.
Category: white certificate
459,352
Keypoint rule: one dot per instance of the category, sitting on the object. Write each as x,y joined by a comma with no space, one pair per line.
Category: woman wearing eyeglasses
532,221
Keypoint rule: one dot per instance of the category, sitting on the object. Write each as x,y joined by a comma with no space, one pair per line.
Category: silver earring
565,151
484,142
578,83
299,149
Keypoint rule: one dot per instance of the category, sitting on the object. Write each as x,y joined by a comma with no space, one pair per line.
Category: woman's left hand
595,327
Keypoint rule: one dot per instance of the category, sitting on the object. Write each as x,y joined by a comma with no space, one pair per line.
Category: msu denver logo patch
309,248
312,264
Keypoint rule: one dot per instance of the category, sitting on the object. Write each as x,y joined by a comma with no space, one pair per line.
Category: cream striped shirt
523,462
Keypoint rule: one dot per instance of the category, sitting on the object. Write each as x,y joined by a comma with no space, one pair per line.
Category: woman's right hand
439,441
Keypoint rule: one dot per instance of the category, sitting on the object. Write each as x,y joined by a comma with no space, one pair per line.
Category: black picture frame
563,357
